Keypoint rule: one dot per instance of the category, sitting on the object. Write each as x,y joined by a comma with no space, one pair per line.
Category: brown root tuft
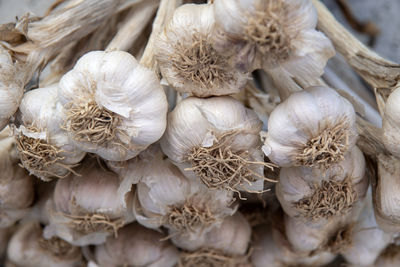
327,148
90,123
201,64
57,247
212,258
219,167
331,198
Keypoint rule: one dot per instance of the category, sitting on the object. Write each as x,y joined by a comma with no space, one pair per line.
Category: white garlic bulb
272,34
86,208
314,127
317,195
136,246
11,87
391,123
114,107
28,248
216,140
44,148
187,58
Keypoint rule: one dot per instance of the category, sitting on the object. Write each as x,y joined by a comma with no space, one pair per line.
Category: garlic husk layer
272,34
314,127
113,106
199,131
136,246
44,147
391,123
187,58
28,248
86,208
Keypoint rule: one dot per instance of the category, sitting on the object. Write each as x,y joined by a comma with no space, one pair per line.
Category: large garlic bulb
86,208
272,34
165,197
136,246
11,87
44,148
317,195
216,141
114,107
314,127
28,248
391,123
187,58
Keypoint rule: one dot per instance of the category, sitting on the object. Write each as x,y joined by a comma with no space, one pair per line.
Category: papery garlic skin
128,96
40,116
314,127
272,34
28,248
200,124
136,246
187,59
85,208
391,123
11,87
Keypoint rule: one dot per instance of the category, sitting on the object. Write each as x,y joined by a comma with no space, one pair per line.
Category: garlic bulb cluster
272,34
86,208
216,141
28,248
391,123
136,246
317,195
187,58
44,148
314,127
113,106
11,87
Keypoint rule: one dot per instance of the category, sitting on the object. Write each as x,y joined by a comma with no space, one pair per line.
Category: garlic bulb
136,246
187,58
314,127
86,209
232,237
44,148
216,141
11,87
165,197
391,123
272,34
386,195
317,195
113,106
28,248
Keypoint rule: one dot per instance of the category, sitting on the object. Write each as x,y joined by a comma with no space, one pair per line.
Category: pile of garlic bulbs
194,133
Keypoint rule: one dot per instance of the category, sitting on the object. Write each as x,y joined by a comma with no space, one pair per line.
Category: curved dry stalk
212,257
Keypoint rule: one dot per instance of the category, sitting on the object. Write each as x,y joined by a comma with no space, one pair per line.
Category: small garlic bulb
187,58
391,123
216,140
28,248
114,107
136,246
165,197
314,127
317,195
44,148
272,34
11,87
87,208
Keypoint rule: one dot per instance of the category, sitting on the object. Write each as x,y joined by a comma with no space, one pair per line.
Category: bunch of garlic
16,186
216,141
28,248
187,59
314,127
276,35
44,148
113,106
86,208
136,246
